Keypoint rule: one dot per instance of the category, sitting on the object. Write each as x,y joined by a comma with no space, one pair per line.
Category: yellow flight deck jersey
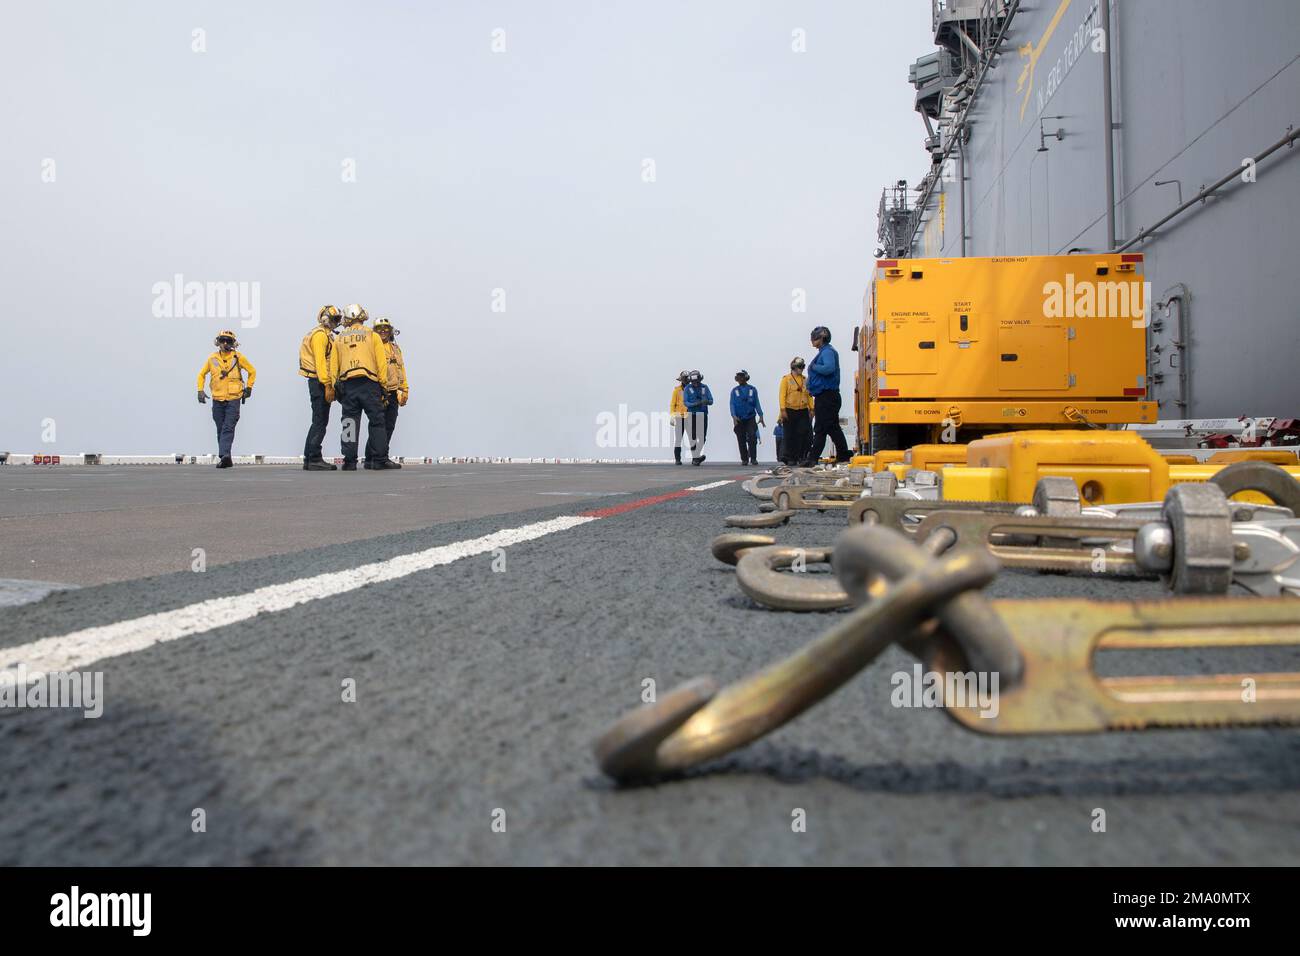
226,370
396,369
794,392
677,407
314,355
359,351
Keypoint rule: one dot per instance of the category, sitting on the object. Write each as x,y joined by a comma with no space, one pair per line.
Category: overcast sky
522,170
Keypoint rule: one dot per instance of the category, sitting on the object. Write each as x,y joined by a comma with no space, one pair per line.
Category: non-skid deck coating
479,693
91,525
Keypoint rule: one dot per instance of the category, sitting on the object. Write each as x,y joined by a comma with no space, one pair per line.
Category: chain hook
696,722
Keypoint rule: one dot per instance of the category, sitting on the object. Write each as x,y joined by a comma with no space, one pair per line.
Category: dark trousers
698,423
746,430
359,395
390,423
795,438
679,431
826,422
390,416
225,415
320,416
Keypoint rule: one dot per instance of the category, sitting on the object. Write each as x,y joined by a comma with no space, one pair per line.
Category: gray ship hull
1197,88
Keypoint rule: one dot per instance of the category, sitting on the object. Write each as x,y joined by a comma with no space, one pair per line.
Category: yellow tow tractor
950,350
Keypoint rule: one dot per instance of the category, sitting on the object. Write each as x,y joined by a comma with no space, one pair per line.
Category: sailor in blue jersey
698,398
824,387
746,416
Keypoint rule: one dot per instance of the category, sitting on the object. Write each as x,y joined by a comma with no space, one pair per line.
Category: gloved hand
248,393
401,399
203,398
383,399
329,394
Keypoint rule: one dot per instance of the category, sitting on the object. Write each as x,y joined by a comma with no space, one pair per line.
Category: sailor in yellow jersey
796,411
226,367
397,387
677,410
359,366
314,365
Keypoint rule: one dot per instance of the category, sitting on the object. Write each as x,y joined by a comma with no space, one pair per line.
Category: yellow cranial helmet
381,324
226,336
354,314
329,316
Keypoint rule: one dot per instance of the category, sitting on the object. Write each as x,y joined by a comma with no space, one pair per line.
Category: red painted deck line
633,505
646,502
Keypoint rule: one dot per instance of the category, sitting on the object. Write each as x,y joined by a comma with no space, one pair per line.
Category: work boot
386,465
366,464
226,463
349,466
699,460
677,454
319,464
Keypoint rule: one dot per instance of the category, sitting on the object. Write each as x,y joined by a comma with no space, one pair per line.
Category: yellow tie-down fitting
1109,467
